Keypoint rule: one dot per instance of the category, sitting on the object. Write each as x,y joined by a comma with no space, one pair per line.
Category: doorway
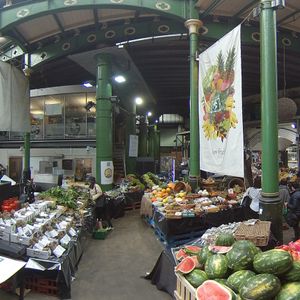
15,167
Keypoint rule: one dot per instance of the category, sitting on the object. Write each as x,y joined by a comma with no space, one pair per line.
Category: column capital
102,57
193,25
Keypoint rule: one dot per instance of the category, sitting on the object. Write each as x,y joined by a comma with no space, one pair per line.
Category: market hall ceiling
55,29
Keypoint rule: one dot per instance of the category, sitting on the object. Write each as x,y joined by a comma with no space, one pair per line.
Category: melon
192,250
219,249
180,254
187,265
212,290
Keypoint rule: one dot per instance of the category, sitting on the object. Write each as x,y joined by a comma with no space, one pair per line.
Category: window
37,118
91,115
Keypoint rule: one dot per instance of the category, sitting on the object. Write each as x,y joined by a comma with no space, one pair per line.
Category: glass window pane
54,117
37,117
16,135
91,115
75,115
4,135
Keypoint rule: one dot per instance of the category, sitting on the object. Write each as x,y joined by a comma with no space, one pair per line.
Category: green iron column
143,137
157,148
130,130
193,25
104,142
151,141
270,204
26,169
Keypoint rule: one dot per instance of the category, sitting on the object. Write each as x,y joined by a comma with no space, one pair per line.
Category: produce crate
184,290
100,234
42,285
258,233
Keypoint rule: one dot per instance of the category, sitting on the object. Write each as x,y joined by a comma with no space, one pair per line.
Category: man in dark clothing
294,209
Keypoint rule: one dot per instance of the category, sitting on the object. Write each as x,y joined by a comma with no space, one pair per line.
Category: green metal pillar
104,142
194,165
157,149
270,204
151,141
26,169
130,130
143,137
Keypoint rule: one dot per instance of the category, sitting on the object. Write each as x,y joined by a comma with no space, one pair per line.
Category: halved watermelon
213,290
192,248
219,249
181,254
186,266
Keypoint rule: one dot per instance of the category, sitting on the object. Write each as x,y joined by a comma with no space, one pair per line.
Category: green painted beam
211,7
16,14
288,16
244,9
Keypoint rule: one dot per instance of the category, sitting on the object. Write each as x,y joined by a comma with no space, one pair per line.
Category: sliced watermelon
213,290
219,249
186,266
192,248
180,254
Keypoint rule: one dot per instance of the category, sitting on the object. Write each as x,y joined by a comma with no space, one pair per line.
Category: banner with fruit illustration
220,107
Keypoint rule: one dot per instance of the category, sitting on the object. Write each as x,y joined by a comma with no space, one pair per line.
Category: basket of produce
257,232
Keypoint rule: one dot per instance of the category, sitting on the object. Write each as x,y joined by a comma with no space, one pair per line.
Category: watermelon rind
235,280
289,291
196,277
186,266
225,239
241,258
260,287
293,274
273,261
214,285
216,266
203,255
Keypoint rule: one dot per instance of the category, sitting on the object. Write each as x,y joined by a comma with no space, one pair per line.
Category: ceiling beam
288,16
244,9
212,6
56,18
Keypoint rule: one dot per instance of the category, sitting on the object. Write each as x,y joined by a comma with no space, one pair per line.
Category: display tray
184,290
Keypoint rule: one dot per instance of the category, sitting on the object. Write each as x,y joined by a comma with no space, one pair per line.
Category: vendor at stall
251,198
99,201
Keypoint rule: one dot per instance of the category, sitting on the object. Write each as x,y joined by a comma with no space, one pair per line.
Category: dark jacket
294,202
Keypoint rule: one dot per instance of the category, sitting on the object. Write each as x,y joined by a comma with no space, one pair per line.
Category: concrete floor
111,269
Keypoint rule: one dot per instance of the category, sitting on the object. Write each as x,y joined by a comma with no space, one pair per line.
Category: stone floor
111,269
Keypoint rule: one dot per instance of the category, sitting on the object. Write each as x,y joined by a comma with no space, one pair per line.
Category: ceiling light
88,84
156,121
293,125
120,79
149,113
138,100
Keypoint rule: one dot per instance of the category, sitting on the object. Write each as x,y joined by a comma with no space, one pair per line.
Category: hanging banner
220,107
107,172
14,99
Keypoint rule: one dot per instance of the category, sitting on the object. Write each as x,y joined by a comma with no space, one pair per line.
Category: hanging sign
107,172
133,145
220,107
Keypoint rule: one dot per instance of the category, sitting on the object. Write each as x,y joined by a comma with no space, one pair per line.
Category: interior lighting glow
120,79
87,84
293,125
138,100
156,121
149,113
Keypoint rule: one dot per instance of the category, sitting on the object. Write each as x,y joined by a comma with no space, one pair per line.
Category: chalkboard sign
67,164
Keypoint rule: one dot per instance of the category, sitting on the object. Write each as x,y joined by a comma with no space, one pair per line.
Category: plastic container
100,234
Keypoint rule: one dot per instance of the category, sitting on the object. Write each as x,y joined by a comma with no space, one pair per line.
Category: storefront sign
107,172
220,107
133,145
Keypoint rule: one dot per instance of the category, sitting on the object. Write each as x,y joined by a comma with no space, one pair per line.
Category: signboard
220,107
133,145
107,172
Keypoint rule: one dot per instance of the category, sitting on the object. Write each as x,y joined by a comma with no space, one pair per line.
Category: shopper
293,214
99,201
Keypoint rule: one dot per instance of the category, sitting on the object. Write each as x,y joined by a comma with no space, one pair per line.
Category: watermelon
186,266
261,286
293,274
196,277
213,290
241,256
216,266
222,281
225,239
180,254
275,261
203,255
289,291
236,279
219,249
191,249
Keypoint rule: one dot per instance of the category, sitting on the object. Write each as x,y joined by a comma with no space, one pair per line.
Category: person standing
293,215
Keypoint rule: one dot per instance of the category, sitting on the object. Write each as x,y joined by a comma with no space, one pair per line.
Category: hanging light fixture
287,108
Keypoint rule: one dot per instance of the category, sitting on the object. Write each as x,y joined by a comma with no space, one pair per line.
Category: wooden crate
184,290
258,233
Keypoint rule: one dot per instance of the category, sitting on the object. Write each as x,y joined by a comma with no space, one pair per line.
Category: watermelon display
191,250
203,255
186,266
219,249
196,277
213,290
293,274
273,261
181,254
216,266
225,239
222,281
241,256
261,286
289,291
236,279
